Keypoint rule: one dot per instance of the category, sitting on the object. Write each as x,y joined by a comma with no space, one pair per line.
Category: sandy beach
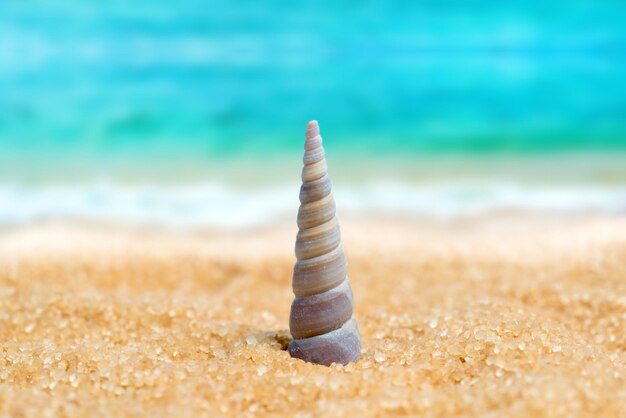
505,317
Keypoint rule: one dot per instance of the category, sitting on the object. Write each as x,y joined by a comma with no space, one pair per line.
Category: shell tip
312,130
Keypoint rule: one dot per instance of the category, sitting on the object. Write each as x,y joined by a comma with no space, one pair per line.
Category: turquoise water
435,109
135,81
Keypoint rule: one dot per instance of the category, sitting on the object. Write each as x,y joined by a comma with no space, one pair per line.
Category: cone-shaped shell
321,321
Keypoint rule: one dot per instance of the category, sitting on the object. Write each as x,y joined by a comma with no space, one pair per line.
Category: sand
489,318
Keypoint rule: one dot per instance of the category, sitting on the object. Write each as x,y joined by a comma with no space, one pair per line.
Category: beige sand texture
480,319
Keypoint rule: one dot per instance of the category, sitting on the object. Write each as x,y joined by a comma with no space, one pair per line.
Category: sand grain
502,319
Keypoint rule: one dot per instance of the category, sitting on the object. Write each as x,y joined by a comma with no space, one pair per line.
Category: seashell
342,345
314,171
315,190
319,274
322,314
313,214
318,240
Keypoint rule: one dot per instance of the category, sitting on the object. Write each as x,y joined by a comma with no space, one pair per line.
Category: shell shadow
276,339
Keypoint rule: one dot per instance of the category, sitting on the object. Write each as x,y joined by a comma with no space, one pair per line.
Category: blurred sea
194,112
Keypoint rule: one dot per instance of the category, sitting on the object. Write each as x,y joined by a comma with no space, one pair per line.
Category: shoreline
565,167
215,206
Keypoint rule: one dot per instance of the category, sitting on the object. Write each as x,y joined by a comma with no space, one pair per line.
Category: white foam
216,205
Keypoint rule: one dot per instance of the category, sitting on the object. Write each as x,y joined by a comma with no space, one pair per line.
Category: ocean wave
219,206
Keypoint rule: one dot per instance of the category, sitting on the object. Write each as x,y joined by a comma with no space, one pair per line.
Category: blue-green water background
192,113
136,82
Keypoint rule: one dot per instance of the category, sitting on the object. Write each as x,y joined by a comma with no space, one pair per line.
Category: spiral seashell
321,322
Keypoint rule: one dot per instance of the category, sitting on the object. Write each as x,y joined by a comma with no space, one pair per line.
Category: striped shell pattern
321,322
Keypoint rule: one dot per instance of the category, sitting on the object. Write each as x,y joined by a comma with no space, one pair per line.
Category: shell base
341,346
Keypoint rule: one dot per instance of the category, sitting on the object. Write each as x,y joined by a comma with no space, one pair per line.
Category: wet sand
504,317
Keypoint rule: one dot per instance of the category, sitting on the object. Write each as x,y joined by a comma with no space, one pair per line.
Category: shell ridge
322,314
